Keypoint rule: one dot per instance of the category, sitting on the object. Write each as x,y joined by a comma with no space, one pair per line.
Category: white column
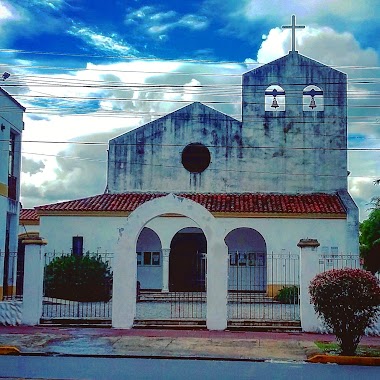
217,285
165,269
124,283
33,281
309,268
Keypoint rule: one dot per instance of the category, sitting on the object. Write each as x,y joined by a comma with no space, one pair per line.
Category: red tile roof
29,214
218,203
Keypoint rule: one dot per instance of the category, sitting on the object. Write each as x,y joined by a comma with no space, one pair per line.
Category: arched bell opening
313,98
274,98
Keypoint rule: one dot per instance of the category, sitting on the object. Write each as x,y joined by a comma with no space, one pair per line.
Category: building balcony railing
12,187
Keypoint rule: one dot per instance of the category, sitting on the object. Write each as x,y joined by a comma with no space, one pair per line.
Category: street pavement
169,343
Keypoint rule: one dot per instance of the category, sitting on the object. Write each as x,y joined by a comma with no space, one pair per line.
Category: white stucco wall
281,235
101,233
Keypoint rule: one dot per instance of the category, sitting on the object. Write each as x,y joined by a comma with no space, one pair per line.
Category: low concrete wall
10,313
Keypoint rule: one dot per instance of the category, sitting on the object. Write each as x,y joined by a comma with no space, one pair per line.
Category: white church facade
197,201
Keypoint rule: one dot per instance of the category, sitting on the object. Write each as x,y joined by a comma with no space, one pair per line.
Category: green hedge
78,278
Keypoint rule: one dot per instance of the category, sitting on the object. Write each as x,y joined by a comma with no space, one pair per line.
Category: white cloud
5,12
18,18
323,44
157,23
162,15
192,22
53,4
106,43
311,10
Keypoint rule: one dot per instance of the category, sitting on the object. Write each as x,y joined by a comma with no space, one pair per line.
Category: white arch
125,268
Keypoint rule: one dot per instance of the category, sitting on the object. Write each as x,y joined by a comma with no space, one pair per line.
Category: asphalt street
97,368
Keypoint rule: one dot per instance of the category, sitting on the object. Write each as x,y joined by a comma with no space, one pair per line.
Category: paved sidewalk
165,343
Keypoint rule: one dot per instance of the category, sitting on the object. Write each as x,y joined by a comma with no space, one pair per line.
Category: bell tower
294,113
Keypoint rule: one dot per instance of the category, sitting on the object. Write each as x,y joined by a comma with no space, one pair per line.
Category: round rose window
196,158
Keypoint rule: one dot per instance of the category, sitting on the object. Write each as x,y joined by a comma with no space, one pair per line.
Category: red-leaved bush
348,300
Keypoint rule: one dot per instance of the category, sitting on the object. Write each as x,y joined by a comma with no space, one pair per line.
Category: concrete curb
9,350
345,360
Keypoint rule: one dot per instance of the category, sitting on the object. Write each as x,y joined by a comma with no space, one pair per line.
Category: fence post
33,281
309,264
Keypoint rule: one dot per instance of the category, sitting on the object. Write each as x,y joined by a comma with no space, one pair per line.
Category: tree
78,278
369,240
348,300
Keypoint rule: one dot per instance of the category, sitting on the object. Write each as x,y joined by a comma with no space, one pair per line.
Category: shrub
288,294
78,278
348,300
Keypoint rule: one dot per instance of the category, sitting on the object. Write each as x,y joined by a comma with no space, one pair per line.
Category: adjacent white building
11,127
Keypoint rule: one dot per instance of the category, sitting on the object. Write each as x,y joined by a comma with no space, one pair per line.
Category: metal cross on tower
293,27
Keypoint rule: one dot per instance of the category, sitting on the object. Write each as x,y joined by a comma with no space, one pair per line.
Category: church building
258,185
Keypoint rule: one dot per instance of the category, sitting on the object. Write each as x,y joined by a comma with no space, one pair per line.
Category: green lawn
332,348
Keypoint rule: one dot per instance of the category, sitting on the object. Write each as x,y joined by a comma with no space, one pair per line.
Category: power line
72,97
209,169
280,147
154,59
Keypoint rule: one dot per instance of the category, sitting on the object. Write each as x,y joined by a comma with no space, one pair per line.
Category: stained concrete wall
305,151
149,158
288,151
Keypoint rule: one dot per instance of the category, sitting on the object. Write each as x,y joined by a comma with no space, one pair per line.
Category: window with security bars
148,258
250,259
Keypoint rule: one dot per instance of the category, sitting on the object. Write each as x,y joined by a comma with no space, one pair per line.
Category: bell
274,103
312,103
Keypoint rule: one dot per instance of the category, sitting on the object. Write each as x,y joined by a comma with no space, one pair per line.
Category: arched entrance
187,268
125,267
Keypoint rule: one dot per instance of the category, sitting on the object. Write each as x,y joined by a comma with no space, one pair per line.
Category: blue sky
85,70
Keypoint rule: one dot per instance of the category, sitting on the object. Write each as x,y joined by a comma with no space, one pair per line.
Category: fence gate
184,304
263,289
77,287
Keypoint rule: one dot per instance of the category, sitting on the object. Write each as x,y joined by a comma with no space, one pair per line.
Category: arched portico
125,267
247,260
148,248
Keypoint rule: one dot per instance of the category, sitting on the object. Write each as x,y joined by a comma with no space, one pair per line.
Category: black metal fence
263,287
77,286
338,261
188,304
